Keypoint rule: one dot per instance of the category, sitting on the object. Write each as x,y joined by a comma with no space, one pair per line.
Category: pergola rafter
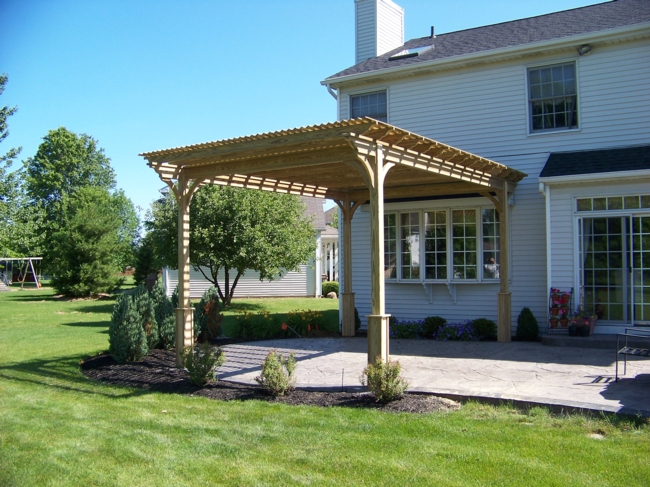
351,162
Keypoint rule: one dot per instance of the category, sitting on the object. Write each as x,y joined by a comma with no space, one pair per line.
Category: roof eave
636,31
596,177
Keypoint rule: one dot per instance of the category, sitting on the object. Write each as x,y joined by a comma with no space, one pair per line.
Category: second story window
553,98
369,105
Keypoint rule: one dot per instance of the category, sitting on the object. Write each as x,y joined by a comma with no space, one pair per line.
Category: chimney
379,28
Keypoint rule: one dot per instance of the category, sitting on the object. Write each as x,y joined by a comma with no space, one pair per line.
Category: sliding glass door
614,257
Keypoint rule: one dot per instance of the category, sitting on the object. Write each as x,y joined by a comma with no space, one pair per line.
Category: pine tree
126,337
145,309
164,313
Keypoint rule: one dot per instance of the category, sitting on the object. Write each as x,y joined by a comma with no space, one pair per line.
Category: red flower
284,326
308,327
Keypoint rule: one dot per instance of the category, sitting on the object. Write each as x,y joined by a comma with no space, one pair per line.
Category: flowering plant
583,317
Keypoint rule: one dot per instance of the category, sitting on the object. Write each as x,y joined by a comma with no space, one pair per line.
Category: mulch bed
157,373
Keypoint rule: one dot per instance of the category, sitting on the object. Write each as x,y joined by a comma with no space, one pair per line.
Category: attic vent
412,52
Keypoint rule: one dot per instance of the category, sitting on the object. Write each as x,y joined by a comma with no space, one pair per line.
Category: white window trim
368,92
537,133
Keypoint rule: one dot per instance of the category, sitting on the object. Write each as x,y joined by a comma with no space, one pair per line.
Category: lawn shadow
98,308
89,324
63,374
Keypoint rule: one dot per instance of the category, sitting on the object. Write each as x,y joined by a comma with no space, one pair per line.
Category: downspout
332,92
546,191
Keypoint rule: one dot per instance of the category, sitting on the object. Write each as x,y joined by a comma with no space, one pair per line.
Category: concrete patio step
607,342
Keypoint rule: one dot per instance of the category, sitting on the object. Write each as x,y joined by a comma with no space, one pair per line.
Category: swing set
23,268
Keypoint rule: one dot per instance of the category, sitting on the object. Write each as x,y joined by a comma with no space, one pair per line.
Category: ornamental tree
234,230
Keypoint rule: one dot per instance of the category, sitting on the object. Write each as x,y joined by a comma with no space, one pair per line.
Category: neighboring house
564,98
305,282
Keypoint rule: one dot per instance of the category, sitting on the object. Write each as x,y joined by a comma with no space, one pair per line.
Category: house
304,282
564,98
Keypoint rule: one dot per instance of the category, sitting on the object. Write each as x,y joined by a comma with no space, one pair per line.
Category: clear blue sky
142,75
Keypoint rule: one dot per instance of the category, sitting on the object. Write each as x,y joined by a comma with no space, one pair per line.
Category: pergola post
378,319
347,296
505,297
184,312
318,264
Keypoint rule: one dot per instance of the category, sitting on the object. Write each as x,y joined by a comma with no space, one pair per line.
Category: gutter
637,31
332,92
594,177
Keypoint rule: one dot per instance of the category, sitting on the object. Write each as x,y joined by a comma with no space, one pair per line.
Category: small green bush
485,329
202,362
384,381
277,375
257,326
527,327
431,326
330,286
207,315
126,337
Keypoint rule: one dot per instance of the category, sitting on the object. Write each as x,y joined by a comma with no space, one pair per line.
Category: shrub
207,315
303,322
126,337
277,375
144,307
329,287
202,362
457,331
431,326
404,329
164,314
527,327
384,381
257,326
485,329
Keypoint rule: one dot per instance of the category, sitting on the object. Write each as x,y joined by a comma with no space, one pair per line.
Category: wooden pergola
351,162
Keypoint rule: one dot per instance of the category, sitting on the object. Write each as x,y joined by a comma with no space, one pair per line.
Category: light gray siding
483,110
390,26
301,283
365,25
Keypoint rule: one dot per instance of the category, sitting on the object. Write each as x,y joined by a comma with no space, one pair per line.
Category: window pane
552,93
390,246
410,242
491,254
435,242
372,105
464,244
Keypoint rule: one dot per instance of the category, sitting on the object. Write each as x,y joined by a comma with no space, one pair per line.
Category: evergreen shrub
527,327
202,362
431,326
165,316
207,315
330,286
144,307
277,375
383,380
485,329
126,337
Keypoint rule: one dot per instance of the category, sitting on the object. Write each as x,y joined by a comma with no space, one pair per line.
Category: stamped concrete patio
522,372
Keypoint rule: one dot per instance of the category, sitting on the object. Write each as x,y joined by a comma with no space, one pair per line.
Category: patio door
615,267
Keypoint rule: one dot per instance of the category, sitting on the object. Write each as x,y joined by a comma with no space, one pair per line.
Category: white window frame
549,64
352,94
480,274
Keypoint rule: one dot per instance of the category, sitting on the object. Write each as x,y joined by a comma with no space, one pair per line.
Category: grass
59,428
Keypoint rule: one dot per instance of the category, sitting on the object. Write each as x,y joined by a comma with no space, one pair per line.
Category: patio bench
627,350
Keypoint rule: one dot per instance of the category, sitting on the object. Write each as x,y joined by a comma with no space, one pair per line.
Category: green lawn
58,428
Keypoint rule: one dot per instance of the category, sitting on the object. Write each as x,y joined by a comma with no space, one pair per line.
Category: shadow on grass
62,374
107,307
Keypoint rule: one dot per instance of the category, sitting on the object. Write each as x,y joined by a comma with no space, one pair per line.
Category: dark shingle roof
314,209
594,18
597,161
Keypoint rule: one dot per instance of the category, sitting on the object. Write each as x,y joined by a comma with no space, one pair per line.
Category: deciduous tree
234,230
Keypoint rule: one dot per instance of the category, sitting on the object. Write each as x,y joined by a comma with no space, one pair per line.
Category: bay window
444,245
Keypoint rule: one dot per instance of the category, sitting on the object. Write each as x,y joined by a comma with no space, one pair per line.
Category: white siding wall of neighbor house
483,110
291,284
379,27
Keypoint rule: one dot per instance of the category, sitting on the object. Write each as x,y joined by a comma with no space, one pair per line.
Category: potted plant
554,322
555,307
585,319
